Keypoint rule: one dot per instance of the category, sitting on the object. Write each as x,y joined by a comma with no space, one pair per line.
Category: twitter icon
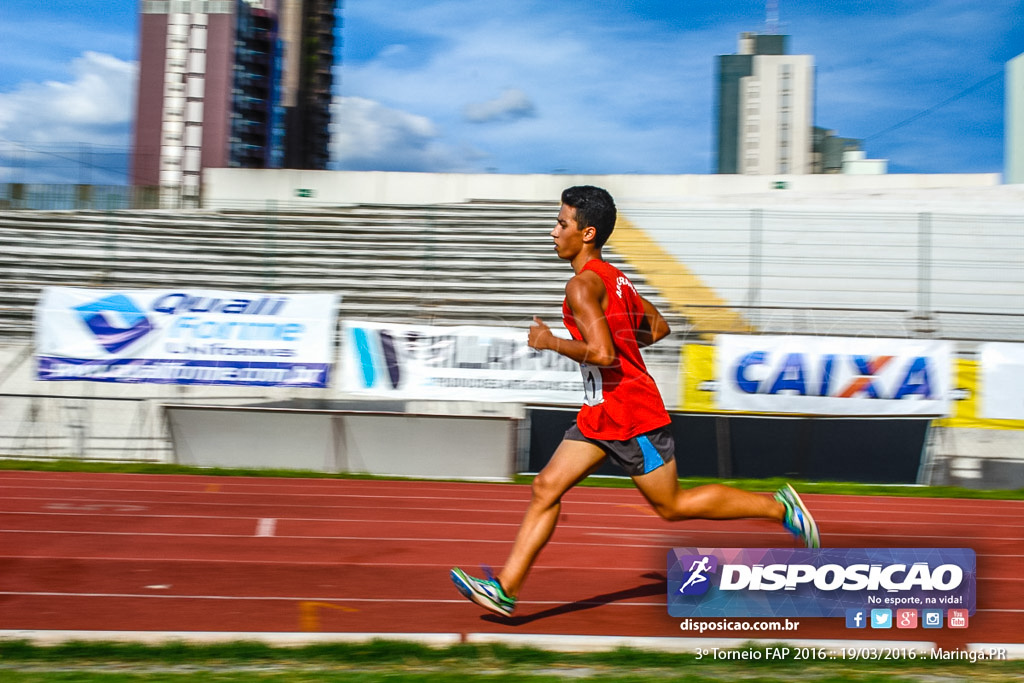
881,618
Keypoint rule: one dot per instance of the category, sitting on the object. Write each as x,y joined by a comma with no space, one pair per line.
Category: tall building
306,81
1014,134
765,108
828,150
231,83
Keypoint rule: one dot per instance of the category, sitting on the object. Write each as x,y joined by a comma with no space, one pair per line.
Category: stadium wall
325,430
128,422
225,187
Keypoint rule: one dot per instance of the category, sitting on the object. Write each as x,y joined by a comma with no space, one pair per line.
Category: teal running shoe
487,593
798,520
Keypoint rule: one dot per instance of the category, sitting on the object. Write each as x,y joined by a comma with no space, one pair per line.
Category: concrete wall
95,420
223,187
364,442
241,427
129,422
976,458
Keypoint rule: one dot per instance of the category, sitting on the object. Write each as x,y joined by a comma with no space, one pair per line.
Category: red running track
127,552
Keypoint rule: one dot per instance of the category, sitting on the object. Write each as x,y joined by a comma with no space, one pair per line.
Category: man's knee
545,489
671,512
685,504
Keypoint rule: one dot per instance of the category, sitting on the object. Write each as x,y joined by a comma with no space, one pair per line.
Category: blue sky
525,86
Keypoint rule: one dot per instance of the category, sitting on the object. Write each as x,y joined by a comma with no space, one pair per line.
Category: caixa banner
833,375
175,336
818,582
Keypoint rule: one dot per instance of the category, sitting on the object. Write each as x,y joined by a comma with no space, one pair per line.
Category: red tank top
620,401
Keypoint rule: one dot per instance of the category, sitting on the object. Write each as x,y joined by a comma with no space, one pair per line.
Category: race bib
593,393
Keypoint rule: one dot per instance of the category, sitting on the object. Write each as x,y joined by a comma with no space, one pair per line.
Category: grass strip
393,660
771,484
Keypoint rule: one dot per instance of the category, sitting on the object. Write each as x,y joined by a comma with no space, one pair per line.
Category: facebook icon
856,618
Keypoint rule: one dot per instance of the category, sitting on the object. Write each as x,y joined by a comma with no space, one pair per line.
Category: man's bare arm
653,326
583,294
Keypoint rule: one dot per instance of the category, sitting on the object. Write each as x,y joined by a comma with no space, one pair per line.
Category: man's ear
589,233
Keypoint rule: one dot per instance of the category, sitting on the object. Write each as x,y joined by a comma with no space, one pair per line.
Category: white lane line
315,520
54,637
628,528
419,601
266,526
607,497
299,598
198,493
629,520
668,534
339,564
864,504
659,540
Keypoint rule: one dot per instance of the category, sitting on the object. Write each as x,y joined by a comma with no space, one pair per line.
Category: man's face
566,233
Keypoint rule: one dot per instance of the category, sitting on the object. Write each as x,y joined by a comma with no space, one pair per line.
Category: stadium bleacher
475,263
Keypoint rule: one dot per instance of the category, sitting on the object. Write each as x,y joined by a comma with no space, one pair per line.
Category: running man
623,416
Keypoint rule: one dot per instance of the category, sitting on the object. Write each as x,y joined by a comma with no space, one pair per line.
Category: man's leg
572,462
714,501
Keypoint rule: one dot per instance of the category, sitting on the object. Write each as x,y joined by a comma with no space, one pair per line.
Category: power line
771,24
78,161
940,105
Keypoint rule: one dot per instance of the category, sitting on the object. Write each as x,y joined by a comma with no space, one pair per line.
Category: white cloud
601,97
370,136
95,107
629,87
511,105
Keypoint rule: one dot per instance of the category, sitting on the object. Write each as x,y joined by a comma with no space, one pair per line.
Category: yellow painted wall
686,293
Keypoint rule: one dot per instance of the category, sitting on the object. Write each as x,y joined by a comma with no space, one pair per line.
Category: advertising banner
465,363
175,336
1002,381
833,376
802,582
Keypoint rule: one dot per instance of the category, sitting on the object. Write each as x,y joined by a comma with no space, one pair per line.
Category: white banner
174,336
465,363
833,376
1002,381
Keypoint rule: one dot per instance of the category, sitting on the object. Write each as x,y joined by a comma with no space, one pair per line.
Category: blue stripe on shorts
652,458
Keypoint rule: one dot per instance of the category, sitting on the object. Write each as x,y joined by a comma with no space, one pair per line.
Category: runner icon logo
696,580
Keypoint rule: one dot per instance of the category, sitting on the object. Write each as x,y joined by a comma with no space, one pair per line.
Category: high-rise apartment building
765,110
306,81
231,83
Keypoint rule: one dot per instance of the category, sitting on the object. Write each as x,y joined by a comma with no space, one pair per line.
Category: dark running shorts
639,455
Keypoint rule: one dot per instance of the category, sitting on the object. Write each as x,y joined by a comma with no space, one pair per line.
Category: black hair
594,206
